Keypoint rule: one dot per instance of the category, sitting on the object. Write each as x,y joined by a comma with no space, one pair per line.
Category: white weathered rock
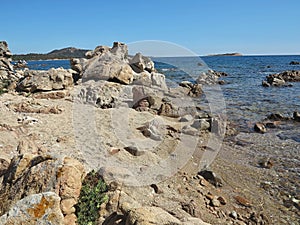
108,66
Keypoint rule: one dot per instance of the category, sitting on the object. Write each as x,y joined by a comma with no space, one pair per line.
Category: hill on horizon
64,53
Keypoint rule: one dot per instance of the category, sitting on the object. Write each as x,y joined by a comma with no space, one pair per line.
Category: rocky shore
107,142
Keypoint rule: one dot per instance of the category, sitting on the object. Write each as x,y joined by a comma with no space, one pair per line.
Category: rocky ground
156,149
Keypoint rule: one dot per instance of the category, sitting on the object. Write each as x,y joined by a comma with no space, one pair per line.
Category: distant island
227,54
65,53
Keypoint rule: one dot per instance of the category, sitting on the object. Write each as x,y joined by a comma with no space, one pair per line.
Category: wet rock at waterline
281,79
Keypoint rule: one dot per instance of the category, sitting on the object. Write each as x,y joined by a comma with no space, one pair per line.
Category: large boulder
53,79
113,64
30,175
42,208
109,65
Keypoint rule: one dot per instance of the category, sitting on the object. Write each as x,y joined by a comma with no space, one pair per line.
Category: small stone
209,196
134,151
67,206
203,182
70,219
215,202
266,163
266,84
113,151
156,189
201,124
242,201
296,116
211,177
272,124
233,215
276,116
166,100
186,118
222,200
190,130
260,127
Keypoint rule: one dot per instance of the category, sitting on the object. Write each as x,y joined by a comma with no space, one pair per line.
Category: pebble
186,118
259,127
242,201
211,177
296,116
222,200
215,202
233,214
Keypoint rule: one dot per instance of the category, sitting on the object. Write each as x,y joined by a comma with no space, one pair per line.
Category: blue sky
203,26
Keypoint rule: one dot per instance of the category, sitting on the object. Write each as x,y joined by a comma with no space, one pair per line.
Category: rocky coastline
108,142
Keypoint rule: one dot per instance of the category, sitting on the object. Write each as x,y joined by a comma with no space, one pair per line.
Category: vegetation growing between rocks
92,195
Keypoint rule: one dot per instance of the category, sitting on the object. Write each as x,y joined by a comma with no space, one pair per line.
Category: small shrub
92,195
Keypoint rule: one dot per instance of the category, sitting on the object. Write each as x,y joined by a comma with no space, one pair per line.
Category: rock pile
280,79
6,68
8,76
211,77
50,80
114,64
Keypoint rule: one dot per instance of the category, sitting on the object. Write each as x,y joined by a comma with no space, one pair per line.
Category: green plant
92,195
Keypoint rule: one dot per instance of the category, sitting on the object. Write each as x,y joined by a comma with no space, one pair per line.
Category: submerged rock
210,77
294,63
280,79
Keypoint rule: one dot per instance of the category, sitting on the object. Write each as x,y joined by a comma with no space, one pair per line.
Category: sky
251,27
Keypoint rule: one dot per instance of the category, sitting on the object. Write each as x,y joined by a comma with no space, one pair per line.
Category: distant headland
227,54
65,53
